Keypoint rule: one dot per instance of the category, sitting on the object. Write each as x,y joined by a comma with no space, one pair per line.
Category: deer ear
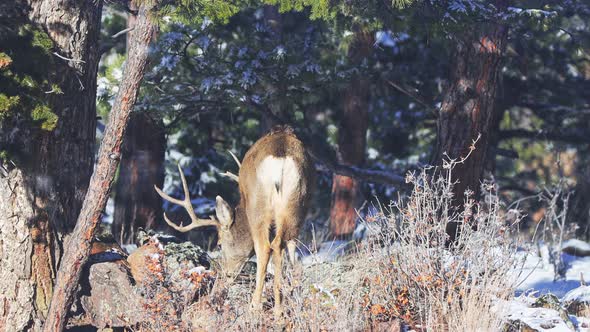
223,212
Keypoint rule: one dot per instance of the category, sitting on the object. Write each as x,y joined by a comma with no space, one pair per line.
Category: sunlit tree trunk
469,104
352,140
41,198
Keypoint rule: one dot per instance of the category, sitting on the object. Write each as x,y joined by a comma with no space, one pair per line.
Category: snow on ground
539,319
537,278
538,274
580,294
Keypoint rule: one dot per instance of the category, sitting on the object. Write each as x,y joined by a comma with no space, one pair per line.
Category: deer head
232,230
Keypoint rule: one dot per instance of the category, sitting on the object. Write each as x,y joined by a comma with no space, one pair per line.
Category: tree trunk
468,106
352,141
44,195
142,166
78,247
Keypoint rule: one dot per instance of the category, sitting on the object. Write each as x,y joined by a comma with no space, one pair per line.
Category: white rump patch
279,176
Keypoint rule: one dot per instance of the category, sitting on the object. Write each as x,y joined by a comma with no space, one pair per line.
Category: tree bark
468,106
45,192
78,246
352,141
142,166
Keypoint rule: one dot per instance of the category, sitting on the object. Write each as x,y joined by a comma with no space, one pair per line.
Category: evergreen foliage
216,79
26,60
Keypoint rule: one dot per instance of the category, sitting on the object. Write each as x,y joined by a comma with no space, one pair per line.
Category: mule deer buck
275,182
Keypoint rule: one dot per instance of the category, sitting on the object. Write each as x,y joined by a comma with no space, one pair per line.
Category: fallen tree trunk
77,249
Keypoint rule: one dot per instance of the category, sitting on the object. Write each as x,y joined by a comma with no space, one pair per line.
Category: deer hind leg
262,250
278,251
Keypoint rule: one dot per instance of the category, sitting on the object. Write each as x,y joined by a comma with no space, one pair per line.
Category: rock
145,236
182,267
111,300
547,301
577,301
546,314
187,270
139,259
550,301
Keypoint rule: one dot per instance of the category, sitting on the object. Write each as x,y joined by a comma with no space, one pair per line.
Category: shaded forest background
374,89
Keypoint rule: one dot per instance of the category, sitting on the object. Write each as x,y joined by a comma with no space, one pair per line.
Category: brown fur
261,217
267,219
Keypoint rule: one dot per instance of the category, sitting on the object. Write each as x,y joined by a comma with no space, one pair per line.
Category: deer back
276,179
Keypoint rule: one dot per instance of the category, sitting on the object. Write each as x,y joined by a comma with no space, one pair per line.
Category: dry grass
432,286
402,272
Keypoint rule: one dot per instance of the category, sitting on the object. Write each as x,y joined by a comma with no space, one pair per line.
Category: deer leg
277,261
262,249
291,246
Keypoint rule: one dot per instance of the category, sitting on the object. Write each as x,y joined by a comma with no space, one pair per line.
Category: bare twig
67,59
414,96
122,32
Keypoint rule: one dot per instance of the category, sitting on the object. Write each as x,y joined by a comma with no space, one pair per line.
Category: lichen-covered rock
550,301
545,314
187,252
182,267
111,299
187,270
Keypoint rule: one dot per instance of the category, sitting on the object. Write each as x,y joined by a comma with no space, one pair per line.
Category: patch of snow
207,178
280,52
575,243
580,294
206,22
107,217
198,270
582,323
373,153
539,319
538,274
129,248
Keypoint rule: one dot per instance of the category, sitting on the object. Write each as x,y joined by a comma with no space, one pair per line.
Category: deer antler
230,174
235,158
186,203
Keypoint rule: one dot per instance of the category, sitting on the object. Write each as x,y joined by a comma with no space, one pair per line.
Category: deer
275,183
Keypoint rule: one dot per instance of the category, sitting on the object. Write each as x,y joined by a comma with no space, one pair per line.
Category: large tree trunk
468,106
352,141
78,246
42,197
142,166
